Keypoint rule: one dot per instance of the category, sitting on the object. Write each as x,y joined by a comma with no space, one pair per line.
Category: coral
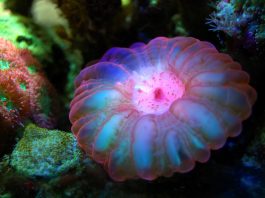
44,36
97,24
243,20
152,110
24,90
45,153
48,163
56,27
24,34
55,18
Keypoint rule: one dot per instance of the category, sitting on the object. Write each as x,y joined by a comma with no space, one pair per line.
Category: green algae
23,33
45,153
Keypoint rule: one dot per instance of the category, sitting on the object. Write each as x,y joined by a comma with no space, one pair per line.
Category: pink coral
152,110
23,88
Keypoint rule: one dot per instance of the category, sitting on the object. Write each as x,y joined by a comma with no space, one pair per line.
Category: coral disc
155,109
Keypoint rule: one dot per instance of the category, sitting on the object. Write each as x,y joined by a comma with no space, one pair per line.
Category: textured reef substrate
41,162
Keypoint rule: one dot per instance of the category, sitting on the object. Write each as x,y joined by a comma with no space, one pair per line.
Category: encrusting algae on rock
45,153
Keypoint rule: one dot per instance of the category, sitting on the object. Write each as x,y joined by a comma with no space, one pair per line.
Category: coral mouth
155,93
158,94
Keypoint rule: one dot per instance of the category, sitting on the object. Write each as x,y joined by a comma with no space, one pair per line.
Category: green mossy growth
23,33
45,153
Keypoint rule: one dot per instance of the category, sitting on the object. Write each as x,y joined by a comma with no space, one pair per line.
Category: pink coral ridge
152,110
23,88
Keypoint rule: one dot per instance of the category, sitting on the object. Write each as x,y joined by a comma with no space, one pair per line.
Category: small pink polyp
155,93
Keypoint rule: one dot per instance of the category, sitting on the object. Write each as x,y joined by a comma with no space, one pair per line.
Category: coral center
158,94
155,93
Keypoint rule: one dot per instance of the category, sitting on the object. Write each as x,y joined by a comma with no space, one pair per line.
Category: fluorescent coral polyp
153,110
21,88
